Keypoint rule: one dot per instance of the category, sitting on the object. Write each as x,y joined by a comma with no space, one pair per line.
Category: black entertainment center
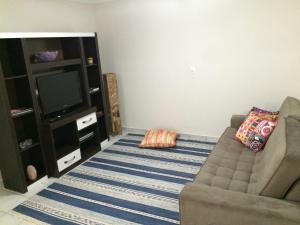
52,113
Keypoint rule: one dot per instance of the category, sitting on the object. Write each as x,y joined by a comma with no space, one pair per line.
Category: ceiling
90,1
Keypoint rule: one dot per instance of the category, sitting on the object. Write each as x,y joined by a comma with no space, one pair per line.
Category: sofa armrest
237,120
204,205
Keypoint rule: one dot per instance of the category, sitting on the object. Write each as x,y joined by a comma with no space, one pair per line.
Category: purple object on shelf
48,56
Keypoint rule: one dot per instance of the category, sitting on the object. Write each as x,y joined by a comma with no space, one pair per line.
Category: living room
200,69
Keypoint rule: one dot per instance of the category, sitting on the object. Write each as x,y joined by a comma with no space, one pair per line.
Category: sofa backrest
277,167
290,106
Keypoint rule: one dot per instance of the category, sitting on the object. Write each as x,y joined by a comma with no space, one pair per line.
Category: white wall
245,53
46,16
152,44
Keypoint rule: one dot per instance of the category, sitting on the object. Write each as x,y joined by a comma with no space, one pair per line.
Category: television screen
59,91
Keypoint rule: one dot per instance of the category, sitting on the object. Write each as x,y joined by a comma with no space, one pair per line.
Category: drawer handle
87,121
70,160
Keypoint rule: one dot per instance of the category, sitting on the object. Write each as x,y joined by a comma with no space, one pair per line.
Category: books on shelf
20,111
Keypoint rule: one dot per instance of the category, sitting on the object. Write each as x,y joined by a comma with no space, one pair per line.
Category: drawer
68,160
86,121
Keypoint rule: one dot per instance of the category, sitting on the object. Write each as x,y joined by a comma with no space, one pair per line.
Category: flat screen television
59,91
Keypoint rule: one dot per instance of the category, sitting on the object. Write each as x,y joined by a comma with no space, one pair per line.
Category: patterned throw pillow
159,139
255,131
264,114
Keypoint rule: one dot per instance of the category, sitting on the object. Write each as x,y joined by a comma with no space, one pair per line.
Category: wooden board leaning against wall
112,98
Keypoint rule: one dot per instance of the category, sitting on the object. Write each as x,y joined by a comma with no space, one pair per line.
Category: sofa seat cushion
229,166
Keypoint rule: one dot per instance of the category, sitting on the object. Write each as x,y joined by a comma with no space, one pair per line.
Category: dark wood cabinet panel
21,116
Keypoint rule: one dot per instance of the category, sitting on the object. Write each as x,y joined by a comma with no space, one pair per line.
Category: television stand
70,140
22,112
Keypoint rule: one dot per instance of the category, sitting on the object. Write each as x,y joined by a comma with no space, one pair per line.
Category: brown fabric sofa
237,187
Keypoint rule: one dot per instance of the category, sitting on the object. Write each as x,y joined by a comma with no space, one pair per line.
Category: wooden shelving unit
18,90
95,81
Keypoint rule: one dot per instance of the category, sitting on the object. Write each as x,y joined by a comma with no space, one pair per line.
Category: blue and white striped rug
121,185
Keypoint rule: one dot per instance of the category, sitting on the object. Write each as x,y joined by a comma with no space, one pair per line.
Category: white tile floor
10,199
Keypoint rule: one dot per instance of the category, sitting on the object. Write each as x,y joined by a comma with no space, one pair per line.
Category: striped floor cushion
159,139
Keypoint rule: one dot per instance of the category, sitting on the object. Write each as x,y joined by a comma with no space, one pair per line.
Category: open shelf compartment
89,140
19,93
68,48
89,133
34,158
66,140
90,50
12,58
97,101
93,77
26,128
102,128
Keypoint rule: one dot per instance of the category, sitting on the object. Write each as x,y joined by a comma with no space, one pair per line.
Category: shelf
29,147
19,94
15,77
22,113
62,63
86,137
12,57
91,65
94,90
